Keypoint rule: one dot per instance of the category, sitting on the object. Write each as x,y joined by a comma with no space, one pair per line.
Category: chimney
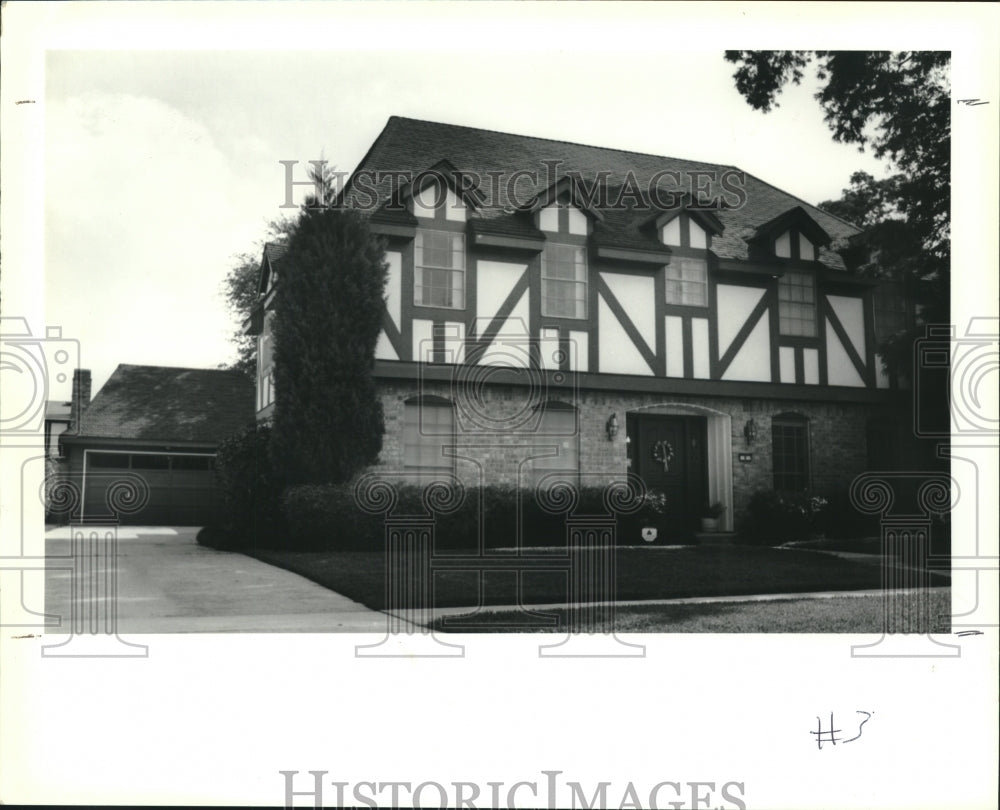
81,398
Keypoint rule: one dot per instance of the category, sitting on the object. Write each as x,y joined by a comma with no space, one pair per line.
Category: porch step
715,538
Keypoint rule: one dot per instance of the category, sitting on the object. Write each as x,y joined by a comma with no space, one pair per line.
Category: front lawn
839,614
642,573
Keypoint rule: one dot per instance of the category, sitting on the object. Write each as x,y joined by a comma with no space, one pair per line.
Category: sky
161,165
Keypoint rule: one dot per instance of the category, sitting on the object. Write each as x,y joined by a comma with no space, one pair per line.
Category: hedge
329,517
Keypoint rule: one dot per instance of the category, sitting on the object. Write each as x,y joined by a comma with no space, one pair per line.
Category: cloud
143,212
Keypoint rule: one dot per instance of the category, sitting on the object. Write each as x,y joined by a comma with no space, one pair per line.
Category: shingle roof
275,252
170,404
407,144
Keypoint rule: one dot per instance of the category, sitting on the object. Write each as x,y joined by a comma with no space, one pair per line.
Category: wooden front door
669,454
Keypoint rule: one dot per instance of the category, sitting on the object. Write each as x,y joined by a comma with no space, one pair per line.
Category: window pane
564,281
191,462
149,462
439,274
687,282
790,455
108,461
557,434
428,429
796,304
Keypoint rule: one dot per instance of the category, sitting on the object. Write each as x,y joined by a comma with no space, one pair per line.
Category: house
144,448
57,419
555,309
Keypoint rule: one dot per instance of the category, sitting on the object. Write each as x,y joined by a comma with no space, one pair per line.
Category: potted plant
710,518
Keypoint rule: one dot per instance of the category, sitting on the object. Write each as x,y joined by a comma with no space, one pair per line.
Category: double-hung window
557,442
428,433
439,278
564,281
687,282
790,453
797,304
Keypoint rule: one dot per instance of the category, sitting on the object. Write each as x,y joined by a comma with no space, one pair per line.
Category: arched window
790,452
558,437
428,434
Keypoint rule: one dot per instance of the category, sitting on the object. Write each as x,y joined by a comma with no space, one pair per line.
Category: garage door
152,489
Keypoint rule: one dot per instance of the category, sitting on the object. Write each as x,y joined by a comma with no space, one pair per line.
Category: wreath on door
663,454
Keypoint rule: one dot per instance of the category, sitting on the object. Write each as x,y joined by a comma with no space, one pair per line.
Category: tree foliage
898,104
328,419
240,290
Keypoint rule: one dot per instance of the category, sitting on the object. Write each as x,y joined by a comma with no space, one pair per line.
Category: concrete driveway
167,583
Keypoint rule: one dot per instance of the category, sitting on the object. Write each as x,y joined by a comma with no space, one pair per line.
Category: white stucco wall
734,305
753,362
839,368
637,295
674,327
618,355
700,367
394,286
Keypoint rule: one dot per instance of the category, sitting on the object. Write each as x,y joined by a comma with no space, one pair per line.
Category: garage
170,489
144,451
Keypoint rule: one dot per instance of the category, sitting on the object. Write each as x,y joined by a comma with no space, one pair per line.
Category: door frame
719,450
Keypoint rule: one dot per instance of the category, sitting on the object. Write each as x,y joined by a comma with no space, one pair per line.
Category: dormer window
684,231
784,247
434,201
439,270
557,218
563,208
792,235
441,193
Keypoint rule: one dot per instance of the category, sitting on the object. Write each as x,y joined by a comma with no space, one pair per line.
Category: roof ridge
176,368
550,140
814,206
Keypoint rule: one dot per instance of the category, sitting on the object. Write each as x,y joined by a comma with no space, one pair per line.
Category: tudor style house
554,309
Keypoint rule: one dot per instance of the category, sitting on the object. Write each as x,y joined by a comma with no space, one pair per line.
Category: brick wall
496,432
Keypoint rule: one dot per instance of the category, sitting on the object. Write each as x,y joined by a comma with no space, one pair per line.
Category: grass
842,614
642,574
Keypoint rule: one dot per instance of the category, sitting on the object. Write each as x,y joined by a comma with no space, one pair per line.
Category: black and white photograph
558,369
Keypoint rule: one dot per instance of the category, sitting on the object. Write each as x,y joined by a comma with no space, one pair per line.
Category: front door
669,454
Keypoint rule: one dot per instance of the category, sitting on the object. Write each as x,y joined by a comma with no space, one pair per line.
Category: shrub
250,490
841,519
329,517
775,517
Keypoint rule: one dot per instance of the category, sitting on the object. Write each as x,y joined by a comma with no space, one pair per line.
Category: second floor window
439,274
564,281
797,304
687,282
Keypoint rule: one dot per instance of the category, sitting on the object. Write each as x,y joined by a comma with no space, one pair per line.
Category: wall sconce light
612,426
750,431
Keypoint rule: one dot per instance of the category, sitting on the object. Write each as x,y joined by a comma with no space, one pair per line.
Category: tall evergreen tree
328,421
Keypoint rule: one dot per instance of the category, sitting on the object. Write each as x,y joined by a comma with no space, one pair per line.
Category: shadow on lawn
642,574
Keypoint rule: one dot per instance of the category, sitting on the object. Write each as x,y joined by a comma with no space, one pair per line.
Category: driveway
167,583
